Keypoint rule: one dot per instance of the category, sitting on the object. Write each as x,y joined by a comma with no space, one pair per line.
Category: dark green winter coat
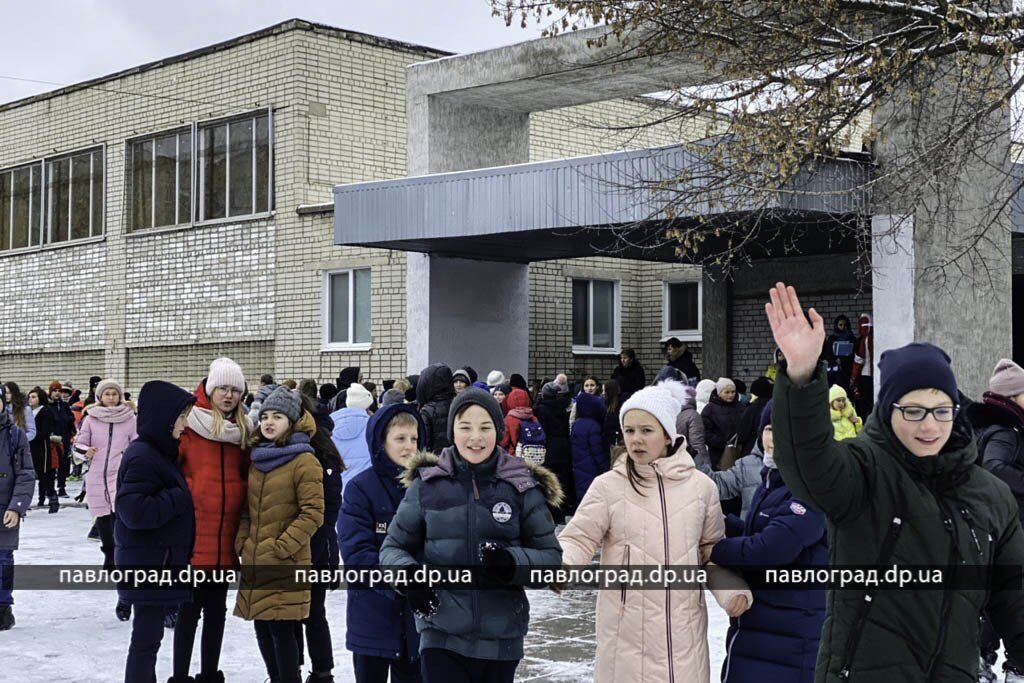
451,507
885,506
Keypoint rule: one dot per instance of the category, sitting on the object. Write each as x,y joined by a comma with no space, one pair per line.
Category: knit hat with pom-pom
663,400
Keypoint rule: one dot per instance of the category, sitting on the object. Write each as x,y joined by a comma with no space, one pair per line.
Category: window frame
325,311
46,232
693,335
198,167
130,170
40,165
590,349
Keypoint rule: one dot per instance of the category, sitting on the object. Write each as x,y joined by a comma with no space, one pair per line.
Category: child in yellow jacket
844,418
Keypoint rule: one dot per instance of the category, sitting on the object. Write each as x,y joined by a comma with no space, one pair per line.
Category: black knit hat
762,387
479,397
915,366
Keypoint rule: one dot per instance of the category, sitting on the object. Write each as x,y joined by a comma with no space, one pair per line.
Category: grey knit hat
479,397
284,401
393,396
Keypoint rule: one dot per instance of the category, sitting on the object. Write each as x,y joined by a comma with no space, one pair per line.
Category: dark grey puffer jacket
434,394
17,478
449,509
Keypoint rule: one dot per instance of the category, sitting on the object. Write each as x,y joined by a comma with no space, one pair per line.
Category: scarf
769,461
122,412
200,421
1005,404
268,455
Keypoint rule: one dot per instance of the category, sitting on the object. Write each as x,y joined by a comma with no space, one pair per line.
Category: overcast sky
68,41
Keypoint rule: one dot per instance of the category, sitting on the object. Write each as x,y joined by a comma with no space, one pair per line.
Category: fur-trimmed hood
518,472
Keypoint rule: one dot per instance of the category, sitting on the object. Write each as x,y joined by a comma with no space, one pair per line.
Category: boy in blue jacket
381,632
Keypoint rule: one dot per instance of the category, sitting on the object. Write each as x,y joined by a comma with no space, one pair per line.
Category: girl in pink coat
107,429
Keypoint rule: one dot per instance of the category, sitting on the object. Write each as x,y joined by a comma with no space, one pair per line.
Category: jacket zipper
623,589
728,651
223,503
106,463
865,606
259,514
474,542
668,592
947,595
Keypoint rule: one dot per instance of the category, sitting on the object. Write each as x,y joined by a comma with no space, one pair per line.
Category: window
21,207
161,180
346,309
74,192
234,168
595,316
681,310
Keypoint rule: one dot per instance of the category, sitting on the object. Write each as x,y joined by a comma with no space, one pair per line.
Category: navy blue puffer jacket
589,452
155,526
777,638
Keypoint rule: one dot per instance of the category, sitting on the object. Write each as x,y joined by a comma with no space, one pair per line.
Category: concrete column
715,310
468,312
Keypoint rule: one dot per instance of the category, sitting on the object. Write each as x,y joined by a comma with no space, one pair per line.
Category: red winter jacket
217,475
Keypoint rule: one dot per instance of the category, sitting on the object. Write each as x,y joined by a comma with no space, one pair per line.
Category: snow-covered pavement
65,636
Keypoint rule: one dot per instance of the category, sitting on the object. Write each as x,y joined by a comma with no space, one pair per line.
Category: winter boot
170,617
54,504
215,677
6,618
63,492
320,678
94,533
123,610
181,679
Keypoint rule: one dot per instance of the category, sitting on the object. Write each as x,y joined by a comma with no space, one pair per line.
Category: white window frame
590,350
325,311
152,137
694,335
199,162
33,210
47,225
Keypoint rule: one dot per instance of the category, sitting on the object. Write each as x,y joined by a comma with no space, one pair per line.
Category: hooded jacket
590,456
883,506
690,426
379,621
346,378
552,412
110,436
155,523
647,635
721,424
777,638
349,436
520,408
451,507
845,422
1000,426
217,474
17,477
434,394
863,359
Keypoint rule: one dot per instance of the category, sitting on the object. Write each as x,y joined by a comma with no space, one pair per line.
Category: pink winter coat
648,636
109,431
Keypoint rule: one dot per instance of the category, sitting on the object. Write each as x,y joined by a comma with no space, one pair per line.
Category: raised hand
799,341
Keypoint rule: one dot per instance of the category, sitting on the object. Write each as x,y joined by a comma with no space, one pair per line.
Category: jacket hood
160,404
518,472
347,376
435,384
835,391
864,325
349,423
378,424
202,398
590,406
518,398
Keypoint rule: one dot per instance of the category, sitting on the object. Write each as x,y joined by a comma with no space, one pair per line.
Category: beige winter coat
652,636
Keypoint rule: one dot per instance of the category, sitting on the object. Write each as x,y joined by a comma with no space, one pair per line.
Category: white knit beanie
358,397
224,372
495,377
663,400
704,389
724,383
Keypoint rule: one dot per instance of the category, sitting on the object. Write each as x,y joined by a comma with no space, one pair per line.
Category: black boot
181,679
63,493
54,504
215,677
123,610
6,618
320,678
42,501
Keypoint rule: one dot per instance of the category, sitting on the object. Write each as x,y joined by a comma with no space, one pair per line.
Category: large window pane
361,309
214,159
262,164
165,180
603,311
81,191
5,211
60,196
339,308
683,307
240,169
36,209
142,185
97,193
185,178
581,313
21,198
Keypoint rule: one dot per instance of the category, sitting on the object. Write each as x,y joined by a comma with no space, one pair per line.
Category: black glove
498,563
423,600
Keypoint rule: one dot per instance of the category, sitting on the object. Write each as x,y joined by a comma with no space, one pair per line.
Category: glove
498,563
423,601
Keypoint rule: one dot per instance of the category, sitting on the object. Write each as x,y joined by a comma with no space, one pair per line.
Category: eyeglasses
918,414
229,391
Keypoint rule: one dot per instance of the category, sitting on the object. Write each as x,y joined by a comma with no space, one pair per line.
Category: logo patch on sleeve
502,512
382,527
797,508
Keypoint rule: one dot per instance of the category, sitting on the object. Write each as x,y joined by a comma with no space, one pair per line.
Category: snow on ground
73,635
